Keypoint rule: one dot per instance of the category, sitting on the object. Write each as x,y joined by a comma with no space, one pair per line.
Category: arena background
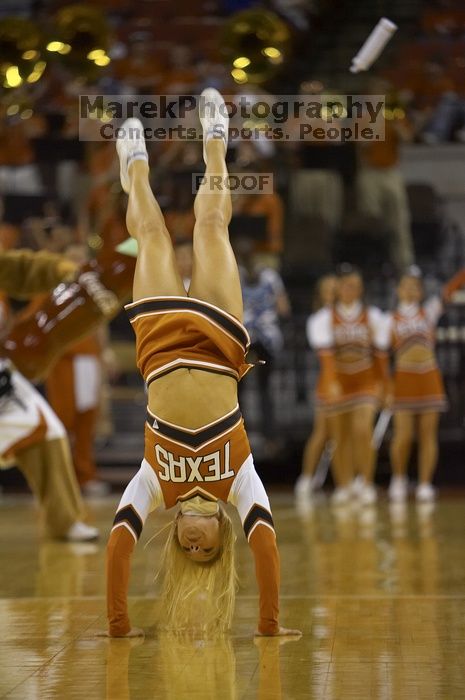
56,189
375,586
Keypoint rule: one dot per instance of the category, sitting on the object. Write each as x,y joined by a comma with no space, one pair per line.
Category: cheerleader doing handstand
191,352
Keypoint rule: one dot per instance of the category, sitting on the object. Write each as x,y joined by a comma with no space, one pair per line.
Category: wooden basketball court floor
379,595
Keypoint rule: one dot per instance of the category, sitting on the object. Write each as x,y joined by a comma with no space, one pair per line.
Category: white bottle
373,45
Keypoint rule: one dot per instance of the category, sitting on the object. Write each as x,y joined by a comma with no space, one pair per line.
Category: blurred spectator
181,76
257,156
381,190
253,155
265,303
9,239
217,75
447,120
18,172
5,314
317,183
138,65
270,206
102,163
9,234
426,85
446,20
110,226
429,84
103,213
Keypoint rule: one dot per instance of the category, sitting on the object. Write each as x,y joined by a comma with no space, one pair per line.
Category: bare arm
249,496
119,554
140,497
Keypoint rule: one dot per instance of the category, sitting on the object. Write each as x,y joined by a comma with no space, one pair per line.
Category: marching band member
31,435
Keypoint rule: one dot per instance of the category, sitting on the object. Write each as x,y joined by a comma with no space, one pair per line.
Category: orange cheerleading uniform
192,467
196,462
417,382
352,346
174,332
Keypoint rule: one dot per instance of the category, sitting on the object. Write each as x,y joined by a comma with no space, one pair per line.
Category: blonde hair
199,596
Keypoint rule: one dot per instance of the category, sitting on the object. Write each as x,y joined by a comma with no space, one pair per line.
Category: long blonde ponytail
199,596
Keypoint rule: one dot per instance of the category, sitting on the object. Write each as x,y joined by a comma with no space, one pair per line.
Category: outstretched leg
156,270
342,465
313,452
401,443
215,276
315,444
362,442
428,446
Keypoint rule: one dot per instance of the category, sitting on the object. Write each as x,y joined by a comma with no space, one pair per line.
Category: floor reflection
378,593
180,667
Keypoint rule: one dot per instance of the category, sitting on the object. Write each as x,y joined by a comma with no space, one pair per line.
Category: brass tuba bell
21,59
256,42
80,39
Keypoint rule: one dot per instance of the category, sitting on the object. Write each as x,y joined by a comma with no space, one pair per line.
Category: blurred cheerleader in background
351,340
417,387
320,435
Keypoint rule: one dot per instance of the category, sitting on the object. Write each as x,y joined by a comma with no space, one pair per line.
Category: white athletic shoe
80,532
367,495
357,486
425,493
130,146
398,489
214,118
303,487
341,496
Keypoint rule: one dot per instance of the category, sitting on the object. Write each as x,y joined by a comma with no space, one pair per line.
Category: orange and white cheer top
212,463
351,342
173,332
418,385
